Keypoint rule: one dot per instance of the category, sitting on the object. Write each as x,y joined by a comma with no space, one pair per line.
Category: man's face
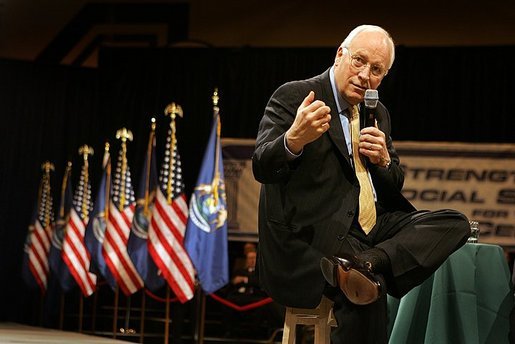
251,260
362,66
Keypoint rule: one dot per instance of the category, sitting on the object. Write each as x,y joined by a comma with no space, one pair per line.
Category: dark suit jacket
307,205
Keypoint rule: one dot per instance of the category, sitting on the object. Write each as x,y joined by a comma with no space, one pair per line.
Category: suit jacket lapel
335,131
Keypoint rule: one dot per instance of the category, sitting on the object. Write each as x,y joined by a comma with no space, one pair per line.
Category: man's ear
339,55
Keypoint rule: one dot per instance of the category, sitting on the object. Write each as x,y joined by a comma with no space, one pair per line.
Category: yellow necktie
367,208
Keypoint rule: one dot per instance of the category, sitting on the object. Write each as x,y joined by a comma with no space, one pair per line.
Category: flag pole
46,167
84,150
146,211
81,310
67,173
61,311
106,217
41,308
107,186
127,329
149,159
115,311
122,134
201,310
173,110
201,297
94,312
61,215
167,314
216,179
142,317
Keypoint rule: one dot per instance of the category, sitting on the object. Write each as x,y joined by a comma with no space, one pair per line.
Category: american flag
168,223
37,245
121,212
74,252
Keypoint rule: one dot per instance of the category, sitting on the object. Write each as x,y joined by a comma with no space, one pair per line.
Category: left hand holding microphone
372,144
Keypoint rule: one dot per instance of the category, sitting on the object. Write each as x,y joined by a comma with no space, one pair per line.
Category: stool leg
322,332
319,317
290,326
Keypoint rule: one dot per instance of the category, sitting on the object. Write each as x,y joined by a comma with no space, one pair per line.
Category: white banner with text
475,178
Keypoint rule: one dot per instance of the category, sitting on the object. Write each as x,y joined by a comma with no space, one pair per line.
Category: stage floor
22,334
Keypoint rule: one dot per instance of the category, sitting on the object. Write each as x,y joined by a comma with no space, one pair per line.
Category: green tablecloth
467,300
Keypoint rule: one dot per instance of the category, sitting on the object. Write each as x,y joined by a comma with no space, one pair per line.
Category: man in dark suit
312,233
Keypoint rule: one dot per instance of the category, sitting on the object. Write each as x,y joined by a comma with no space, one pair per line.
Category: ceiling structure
71,31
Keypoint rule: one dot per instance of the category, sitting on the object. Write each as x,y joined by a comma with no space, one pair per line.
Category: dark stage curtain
138,83
47,113
433,94
458,94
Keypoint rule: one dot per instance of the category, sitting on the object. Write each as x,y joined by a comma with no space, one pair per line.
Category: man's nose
365,72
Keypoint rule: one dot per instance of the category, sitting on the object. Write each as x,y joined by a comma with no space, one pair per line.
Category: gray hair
346,43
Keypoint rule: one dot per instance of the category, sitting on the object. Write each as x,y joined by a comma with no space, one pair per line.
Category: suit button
350,213
340,237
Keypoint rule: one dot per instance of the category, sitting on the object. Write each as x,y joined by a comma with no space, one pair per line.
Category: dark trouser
416,244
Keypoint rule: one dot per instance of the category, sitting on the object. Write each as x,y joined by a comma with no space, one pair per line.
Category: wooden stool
321,317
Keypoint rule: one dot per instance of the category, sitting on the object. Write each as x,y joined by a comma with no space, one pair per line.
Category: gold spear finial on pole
215,97
106,154
172,110
47,166
124,135
85,151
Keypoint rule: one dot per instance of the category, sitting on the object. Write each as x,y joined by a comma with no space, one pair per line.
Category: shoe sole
357,287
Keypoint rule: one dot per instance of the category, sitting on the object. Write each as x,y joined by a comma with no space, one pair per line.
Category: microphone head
371,98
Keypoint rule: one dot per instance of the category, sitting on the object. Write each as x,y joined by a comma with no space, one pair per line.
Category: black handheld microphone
371,100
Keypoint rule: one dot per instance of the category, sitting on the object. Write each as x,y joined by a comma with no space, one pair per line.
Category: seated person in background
245,290
245,283
240,262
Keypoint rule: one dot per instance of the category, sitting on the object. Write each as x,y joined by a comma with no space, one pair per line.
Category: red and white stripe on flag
38,254
114,249
76,255
165,244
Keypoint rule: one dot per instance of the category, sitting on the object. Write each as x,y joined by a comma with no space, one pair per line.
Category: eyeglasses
360,63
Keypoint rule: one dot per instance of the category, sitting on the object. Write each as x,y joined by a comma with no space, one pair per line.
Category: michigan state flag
57,266
95,232
138,238
206,231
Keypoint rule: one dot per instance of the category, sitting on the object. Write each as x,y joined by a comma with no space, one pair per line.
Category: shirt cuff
289,155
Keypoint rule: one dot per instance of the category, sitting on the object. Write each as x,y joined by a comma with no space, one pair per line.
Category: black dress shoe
353,277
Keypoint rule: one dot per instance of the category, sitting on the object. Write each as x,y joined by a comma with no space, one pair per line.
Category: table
467,300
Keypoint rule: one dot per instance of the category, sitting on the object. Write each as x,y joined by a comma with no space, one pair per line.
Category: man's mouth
361,88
